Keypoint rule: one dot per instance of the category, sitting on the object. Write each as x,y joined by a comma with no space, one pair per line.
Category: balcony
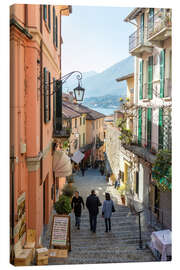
142,151
63,133
138,43
159,28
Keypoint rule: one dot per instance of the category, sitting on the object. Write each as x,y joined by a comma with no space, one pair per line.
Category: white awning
77,156
61,164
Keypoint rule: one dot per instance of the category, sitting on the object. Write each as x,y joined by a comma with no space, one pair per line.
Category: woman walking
76,203
107,209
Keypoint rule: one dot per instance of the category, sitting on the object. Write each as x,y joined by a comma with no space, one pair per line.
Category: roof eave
133,14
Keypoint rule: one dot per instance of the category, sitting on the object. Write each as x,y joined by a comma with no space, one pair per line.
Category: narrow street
120,245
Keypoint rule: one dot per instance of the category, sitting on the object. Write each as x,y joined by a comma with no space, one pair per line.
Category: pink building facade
35,55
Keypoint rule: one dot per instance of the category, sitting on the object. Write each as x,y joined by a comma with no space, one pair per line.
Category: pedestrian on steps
92,204
107,209
76,203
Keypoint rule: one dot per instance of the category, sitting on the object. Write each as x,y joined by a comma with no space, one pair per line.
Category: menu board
60,231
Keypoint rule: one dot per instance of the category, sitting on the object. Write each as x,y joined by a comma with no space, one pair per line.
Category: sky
94,38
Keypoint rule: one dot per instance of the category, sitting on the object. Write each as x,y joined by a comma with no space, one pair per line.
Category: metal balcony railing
168,88
157,22
137,38
64,133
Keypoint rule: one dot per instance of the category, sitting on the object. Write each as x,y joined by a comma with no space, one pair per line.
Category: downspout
41,96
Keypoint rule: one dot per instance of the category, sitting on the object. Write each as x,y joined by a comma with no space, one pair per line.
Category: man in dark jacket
93,203
76,203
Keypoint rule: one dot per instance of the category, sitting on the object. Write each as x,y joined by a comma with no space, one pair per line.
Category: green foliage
63,205
65,144
68,190
161,170
126,134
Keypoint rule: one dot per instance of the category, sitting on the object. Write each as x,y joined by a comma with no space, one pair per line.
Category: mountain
104,83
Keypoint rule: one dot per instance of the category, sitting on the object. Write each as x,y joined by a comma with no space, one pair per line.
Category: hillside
104,83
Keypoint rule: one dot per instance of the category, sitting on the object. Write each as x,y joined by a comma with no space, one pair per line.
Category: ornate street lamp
79,95
79,91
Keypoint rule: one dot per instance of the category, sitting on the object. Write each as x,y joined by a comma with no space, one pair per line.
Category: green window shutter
56,31
49,96
45,12
149,127
139,125
54,102
141,80
160,128
150,77
49,17
162,72
45,97
54,26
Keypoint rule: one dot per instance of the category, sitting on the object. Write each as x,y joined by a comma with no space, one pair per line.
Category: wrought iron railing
137,38
157,22
63,133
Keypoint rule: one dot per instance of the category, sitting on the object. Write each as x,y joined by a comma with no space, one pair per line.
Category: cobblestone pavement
120,245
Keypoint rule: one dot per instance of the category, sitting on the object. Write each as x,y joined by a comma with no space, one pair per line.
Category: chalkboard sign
60,234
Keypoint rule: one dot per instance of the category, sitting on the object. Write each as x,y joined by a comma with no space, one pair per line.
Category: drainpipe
41,96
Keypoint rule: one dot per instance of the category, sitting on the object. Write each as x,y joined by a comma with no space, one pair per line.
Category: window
79,140
46,107
96,124
93,124
149,126
150,77
80,121
54,26
49,17
75,123
142,28
54,103
84,139
56,32
84,120
139,125
45,12
141,79
161,128
162,72
49,97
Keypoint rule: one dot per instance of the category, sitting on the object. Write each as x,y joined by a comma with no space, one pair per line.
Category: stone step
107,252
139,257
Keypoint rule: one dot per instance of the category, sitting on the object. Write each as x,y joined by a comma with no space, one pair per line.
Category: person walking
92,204
76,203
107,209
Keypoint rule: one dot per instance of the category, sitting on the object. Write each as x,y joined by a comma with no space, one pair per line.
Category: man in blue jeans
92,204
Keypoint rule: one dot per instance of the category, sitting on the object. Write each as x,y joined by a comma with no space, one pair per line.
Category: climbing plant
161,170
126,134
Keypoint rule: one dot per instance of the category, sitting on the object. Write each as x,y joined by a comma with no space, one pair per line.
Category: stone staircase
119,245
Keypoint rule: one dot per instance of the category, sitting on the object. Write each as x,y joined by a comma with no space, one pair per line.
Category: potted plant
63,205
